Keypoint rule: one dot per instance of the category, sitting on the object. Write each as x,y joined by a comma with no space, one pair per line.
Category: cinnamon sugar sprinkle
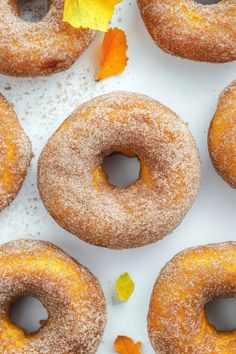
177,321
15,154
222,135
191,30
31,49
71,294
75,189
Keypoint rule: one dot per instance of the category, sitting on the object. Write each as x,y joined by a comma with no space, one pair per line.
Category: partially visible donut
222,136
70,293
31,49
177,322
191,30
75,188
15,155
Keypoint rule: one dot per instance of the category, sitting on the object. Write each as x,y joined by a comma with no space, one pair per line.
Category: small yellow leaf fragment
126,345
114,58
124,287
71,11
93,14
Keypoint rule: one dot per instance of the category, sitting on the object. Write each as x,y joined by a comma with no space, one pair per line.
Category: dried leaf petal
93,14
126,345
124,287
114,58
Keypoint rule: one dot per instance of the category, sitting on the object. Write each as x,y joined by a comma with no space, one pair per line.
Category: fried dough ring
70,293
76,191
193,31
177,322
222,136
32,49
15,156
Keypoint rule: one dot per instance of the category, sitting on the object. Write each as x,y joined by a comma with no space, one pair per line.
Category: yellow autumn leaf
124,287
93,14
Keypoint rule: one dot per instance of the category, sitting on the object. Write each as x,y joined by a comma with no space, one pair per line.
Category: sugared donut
15,155
76,191
222,136
191,30
70,293
177,322
31,49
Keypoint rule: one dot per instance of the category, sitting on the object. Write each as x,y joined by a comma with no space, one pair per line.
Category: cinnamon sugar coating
222,136
71,294
191,30
177,321
31,49
76,191
15,154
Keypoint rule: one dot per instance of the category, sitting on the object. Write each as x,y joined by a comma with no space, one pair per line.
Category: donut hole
33,10
207,2
29,314
221,314
121,170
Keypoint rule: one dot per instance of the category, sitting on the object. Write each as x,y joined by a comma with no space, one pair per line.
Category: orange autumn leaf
126,345
114,58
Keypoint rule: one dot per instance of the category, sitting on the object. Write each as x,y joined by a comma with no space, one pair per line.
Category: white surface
189,88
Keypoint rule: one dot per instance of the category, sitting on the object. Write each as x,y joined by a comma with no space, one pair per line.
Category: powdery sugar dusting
190,30
176,320
71,294
31,49
222,136
76,192
15,155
